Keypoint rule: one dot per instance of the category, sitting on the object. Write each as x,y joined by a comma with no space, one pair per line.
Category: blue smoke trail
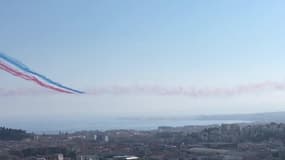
28,70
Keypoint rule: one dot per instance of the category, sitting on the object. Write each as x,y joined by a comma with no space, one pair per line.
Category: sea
41,126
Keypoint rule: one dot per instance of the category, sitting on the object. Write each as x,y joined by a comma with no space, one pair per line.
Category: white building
106,139
60,157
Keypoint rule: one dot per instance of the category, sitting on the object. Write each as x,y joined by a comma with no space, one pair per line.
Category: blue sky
87,44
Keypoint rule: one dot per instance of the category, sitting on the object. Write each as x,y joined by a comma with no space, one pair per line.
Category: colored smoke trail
189,91
160,90
20,70
51,84
27,77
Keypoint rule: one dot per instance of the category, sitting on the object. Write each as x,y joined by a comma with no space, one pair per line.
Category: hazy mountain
256,117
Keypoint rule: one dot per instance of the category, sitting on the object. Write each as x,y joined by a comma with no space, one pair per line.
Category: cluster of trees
44,151
12,134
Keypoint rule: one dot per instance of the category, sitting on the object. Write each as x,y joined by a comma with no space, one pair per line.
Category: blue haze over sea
54,126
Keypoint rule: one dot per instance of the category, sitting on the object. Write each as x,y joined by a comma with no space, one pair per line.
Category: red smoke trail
155,89
30,78
27,70
189,91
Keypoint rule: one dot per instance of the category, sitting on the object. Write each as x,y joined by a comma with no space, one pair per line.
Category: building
125,157
106,139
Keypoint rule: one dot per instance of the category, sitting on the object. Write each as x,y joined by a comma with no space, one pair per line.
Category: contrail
18,69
